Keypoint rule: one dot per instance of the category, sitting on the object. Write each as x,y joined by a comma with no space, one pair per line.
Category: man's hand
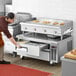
18,46
14,42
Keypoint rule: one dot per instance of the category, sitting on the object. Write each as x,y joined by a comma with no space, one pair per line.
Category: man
4,21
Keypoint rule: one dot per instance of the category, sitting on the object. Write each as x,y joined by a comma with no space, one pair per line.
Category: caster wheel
23,58
14,54
51,62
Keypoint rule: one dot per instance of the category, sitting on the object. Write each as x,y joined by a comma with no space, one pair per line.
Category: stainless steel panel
68,67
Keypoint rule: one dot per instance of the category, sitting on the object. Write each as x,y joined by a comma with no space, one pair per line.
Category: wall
2,6
61,9
8,1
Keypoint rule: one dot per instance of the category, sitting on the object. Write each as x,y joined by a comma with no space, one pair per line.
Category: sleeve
6,31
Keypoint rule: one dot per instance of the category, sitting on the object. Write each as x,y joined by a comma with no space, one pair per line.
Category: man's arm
9,36
14,42
4,29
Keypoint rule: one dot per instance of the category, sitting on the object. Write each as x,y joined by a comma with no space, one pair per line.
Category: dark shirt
4,29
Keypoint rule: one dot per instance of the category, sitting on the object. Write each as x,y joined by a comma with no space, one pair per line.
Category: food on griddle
46,22
36,21
73,52
62,23
55,23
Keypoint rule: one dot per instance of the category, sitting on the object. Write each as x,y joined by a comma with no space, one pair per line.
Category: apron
1,40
